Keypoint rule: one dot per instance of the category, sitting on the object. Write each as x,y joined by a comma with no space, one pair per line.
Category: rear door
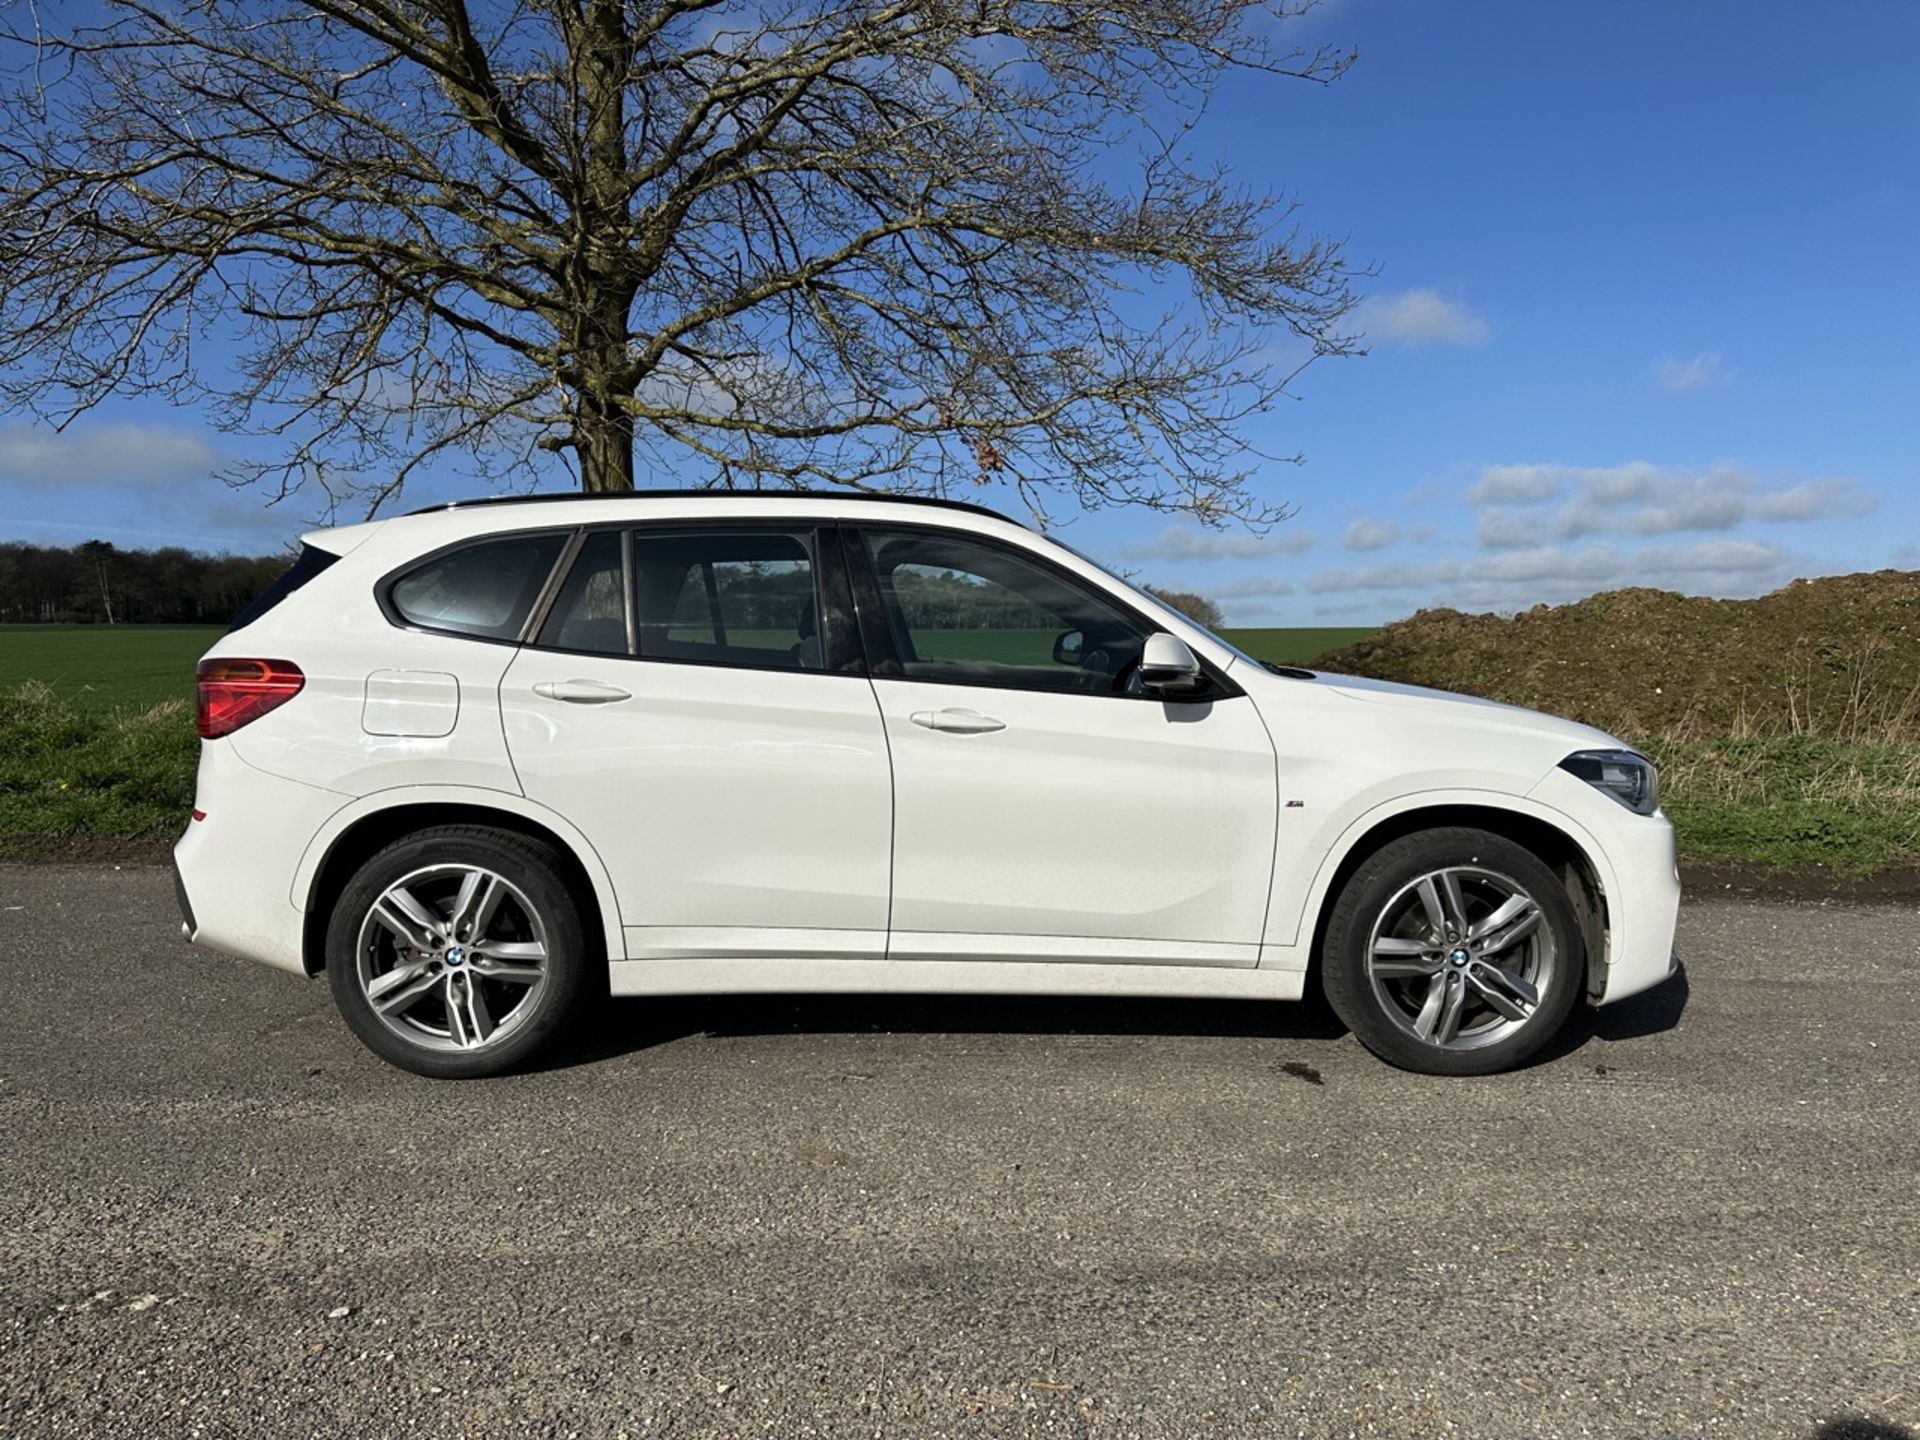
696,702
1045,808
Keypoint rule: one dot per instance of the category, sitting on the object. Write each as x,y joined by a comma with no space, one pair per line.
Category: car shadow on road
1862,1427
1651,1012
622,1026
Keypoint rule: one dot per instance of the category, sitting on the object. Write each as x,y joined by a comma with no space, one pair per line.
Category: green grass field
105,666
97,749
1297,646
112,667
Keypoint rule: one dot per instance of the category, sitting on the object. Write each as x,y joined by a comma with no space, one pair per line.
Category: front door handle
957,722
581,692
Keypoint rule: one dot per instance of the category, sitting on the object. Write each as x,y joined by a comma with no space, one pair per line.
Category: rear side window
309,563
486,589
590,613
727,597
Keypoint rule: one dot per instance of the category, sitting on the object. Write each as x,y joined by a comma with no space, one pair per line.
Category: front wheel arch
375,831
1559,851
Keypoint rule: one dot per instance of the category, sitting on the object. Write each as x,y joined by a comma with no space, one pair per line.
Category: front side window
486,589
727,597
965,612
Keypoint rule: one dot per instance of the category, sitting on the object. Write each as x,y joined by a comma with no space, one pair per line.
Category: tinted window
727,597
590,612
311,562
485,589
961,611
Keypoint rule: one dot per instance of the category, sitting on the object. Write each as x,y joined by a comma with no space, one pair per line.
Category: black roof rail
715,495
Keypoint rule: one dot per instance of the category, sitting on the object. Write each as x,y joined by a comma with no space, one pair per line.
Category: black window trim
841,652
878,637
311,563
845,591
383,587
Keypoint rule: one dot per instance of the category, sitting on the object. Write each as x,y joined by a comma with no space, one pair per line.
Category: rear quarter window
486,589
308,563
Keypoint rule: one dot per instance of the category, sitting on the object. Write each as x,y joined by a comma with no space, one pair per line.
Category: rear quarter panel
335,631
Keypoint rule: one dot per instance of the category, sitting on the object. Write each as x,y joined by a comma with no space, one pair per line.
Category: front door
686,706
1045,807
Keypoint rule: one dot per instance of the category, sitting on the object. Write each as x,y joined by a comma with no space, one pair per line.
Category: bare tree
1194,607
889,244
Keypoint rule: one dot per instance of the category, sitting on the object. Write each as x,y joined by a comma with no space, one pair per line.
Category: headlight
1629,778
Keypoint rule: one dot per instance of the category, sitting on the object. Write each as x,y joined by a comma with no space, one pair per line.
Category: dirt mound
1837,656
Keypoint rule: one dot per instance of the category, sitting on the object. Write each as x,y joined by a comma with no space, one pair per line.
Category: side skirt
947,977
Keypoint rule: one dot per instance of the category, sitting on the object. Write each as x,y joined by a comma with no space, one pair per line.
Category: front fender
1301,889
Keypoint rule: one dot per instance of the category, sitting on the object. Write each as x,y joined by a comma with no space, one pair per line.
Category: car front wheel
1453,952
457,952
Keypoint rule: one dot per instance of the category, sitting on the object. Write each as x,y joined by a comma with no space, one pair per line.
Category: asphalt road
905,1217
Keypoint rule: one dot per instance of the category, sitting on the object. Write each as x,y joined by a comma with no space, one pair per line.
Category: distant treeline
98,583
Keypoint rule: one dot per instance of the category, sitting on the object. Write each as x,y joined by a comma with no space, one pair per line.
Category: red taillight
233,693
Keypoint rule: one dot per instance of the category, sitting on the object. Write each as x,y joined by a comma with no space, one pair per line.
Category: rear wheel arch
372,832
1558,850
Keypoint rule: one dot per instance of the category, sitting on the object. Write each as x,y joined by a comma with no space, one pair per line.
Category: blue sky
1647,311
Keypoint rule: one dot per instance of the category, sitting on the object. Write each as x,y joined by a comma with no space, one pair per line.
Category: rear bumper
187,926
231,870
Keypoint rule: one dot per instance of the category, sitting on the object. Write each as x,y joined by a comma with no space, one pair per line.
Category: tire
1452,1006
458,1005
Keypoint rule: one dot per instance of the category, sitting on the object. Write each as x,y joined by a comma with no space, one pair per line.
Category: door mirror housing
1168,667
1070,648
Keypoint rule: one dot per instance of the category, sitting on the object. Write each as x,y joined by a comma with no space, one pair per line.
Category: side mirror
1168,667
1070,648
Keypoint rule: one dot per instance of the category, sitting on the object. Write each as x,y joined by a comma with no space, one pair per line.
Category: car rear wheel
1453,952
457,952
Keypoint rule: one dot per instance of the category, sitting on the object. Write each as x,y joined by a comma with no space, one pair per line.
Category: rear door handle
581,692
957,721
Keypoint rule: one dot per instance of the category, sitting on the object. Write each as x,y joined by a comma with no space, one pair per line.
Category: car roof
864,497
463,520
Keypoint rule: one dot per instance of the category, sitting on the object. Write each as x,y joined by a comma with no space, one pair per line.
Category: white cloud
1907,557
1816,500
1420,317
1369,534
1505,527
1698,372
1249,588
1556,573
119,454
1346,609
135,482
1639,498
1516,484
1178,543
1715,501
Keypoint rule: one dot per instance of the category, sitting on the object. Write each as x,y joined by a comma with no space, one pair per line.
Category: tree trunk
603,431
603,439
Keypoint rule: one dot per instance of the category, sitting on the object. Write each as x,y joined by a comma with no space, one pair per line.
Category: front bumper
1640,880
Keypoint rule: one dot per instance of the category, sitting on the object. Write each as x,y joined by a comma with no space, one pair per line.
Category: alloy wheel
452,957
1461,958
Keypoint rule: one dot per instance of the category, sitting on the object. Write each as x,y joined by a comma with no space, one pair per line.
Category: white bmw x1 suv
480,762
